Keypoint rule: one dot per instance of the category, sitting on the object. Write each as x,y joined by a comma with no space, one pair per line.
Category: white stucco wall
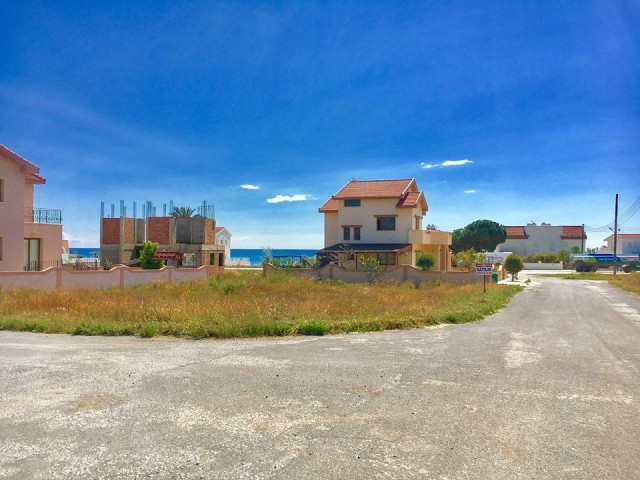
542,238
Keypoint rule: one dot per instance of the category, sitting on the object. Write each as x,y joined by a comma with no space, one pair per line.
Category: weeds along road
547,388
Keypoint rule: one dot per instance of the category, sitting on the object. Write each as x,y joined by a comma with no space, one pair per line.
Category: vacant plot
627,281
248,305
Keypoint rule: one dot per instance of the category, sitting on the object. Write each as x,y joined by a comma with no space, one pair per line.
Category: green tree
147,262
479,235
425,261
467,258
575,249
513,264
371,267
182,212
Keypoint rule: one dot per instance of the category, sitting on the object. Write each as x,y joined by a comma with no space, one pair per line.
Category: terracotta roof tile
411,199
572,232
374,189
330,205
35,178
516,232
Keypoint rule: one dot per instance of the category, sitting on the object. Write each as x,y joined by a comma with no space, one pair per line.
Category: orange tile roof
374,188
623,235
516,232
330,205
35,178
572,232
411,199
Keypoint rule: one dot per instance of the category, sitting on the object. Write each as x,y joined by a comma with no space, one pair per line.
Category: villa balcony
430,237
43,215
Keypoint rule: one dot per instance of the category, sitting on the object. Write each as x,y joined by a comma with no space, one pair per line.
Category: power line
625,217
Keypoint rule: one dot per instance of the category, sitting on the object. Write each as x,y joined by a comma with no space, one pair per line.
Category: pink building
30,238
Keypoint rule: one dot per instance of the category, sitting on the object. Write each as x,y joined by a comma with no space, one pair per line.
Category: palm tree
183,212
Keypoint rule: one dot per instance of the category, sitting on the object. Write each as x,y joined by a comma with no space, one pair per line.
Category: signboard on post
484,269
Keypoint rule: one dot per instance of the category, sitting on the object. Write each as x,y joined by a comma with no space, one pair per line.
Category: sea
254,255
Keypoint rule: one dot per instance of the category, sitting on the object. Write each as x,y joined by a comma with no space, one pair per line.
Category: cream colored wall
12,215
365,215
331,229
28,195
50,241
120,276
542,238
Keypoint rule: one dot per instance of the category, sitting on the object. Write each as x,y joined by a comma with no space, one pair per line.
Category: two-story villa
30,238
383,219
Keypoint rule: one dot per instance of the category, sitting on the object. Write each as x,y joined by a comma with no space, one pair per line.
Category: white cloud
288,198
470,191
248,186
446,163
453,163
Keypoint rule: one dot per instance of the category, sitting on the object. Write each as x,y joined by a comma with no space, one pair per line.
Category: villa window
346,233
386,223
386,258
352,203
1,190
356,233
0,249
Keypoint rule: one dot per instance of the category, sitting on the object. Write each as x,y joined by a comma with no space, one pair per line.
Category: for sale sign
484,268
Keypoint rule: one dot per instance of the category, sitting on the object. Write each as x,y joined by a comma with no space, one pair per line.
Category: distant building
30,238
628,244
223,238
382,219
183,241
532,238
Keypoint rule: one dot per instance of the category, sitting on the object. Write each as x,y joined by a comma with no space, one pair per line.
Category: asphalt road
547,388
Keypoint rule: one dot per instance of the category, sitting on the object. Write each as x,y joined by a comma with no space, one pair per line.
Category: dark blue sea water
85,252
253,254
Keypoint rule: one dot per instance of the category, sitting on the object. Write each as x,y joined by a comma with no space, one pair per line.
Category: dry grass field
248,305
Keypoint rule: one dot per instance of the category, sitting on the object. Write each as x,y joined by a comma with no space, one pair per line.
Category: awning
367,248
167,256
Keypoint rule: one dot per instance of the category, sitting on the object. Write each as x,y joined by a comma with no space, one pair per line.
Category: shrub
513,264
371,267
149,249
108,265
547,257
229,287
267,255
313,327
425,261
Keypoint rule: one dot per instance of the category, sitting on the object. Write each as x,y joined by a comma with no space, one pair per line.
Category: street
547,388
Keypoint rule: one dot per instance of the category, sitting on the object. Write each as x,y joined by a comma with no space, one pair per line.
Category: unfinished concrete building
183,241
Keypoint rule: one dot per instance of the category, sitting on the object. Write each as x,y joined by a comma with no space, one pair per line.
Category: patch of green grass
249,304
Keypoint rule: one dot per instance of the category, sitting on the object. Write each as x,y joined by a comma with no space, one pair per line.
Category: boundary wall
543,266
404,273
119,276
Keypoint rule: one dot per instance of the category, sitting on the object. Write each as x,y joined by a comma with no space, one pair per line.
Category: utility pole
582,238
615,239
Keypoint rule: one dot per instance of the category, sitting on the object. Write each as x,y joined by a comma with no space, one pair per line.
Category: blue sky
187,101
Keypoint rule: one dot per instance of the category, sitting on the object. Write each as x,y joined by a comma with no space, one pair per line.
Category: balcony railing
43,215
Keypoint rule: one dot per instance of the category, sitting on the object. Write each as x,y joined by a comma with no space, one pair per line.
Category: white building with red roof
223,238
383,219
533,238
30,238
628,244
